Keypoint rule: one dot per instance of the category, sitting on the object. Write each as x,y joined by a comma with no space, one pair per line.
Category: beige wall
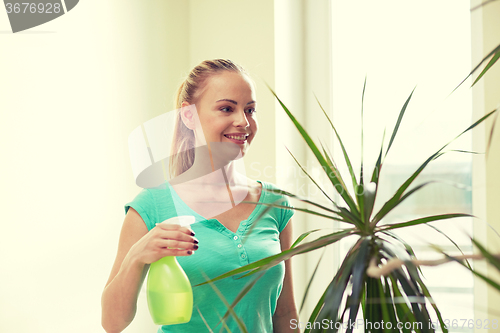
486,96
491,38
71,91
244,32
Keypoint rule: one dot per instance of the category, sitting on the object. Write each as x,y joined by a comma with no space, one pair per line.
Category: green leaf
291,195
346,215
414,296
476,273
301,237
383,304
311,280
358,281
413,277
494,51
483,118
451,241
271,261
369,192
239,322
403,311
353,208
394,252
271,205
390,303
361,173
305,210
398,196
360,197
423,220
330,169
490,138
240,296
309,248
495,261
224,325
466,152
408,248
340,278
204,321
488,66
307,174
400,117
346,156
378,164
414,274
335,293
349,217
373,308
317,308
363,300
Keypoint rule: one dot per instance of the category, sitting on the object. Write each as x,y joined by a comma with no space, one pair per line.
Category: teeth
236,137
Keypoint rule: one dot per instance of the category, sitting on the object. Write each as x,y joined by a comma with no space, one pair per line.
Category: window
398,45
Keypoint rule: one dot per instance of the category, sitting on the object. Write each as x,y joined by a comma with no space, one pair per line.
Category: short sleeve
144,204
286,213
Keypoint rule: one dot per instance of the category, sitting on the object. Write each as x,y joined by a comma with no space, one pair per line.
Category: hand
164,240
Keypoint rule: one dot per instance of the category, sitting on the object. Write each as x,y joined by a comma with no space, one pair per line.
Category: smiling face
226,110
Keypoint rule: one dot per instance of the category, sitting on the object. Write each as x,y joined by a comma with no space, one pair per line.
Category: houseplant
388,300
352,288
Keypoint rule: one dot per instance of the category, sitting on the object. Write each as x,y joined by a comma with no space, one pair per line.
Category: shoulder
153,194
145,204
269,186
273,192
145,198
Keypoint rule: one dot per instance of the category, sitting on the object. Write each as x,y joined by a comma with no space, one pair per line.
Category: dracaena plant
493,56
492,259
395,296
400,296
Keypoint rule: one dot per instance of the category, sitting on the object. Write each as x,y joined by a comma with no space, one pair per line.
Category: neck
213,176
213,166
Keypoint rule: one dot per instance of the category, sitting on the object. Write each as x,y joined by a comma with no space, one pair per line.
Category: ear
187,115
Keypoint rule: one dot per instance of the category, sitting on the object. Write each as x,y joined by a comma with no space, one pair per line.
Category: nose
240,119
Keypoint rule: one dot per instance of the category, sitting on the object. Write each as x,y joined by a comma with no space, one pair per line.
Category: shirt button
235,237
243,256
243,223
239,246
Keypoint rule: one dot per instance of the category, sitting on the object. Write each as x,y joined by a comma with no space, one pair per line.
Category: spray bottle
169,293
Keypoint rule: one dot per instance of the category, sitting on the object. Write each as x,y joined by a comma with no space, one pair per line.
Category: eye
226,109
250,111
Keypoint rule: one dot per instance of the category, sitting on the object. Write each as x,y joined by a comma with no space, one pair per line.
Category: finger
176,235
178,253
166,226
174,244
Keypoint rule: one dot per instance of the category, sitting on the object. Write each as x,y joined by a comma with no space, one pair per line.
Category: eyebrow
232,101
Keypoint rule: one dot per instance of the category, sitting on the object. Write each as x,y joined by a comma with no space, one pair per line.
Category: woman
215,125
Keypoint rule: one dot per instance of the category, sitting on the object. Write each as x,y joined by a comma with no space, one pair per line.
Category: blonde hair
182,157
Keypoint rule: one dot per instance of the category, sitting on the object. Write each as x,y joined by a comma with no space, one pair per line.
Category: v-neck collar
200,218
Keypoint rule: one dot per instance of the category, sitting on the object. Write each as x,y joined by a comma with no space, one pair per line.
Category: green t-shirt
221,250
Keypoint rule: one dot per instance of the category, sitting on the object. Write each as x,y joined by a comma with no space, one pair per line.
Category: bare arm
285,309
137,248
